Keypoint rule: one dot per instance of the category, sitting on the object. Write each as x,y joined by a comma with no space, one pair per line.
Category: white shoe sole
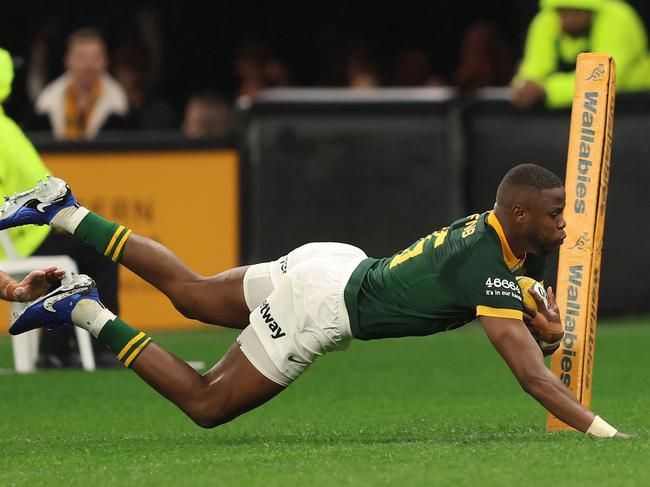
46,191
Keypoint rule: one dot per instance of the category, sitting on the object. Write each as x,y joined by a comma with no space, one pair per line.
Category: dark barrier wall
376,169
498,137
382,168
626,253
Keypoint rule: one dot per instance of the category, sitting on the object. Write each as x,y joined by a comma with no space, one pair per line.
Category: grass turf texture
440,410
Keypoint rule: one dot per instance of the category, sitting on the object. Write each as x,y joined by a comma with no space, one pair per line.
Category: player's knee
182,307
205,414
183,297
193,311
207,422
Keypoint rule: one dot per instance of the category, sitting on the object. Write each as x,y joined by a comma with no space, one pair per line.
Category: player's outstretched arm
514,343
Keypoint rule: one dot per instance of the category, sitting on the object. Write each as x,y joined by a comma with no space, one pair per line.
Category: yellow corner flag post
587,178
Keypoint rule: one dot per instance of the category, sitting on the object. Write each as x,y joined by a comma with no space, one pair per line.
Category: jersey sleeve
489,288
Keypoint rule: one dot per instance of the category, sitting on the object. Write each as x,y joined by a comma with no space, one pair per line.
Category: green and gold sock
106,236
126,342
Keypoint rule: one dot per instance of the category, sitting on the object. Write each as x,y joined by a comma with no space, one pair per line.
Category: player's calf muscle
182,385
155,263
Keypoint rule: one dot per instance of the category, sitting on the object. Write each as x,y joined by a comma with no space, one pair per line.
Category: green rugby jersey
441,282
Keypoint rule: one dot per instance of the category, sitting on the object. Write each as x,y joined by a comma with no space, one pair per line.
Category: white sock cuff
91,315
601,429
77,216
68,219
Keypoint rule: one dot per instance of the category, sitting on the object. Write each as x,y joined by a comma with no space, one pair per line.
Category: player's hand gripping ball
546,329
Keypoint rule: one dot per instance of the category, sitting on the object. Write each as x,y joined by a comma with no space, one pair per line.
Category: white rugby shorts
298,308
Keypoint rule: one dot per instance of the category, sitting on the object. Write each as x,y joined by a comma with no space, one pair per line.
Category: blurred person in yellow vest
20,165
14,144
561,30
21,168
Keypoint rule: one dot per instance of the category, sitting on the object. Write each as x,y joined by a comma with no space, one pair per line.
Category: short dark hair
84,34
529,176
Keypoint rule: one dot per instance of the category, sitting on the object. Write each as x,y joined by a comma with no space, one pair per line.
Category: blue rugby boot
53,310
37,205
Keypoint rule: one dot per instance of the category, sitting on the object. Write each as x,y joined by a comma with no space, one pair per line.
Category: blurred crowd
102,90
88,85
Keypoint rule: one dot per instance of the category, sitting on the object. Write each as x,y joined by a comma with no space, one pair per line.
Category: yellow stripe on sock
129,345
120,245
136,352
113,239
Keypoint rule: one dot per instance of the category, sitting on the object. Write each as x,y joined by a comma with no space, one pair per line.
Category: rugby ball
526,283
549,337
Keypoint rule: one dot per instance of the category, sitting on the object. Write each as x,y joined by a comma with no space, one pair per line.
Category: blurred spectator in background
485,60
85,99
361,68
134,74
331,45
136,65
414,69
20,169
208,115
565,28
258,68
41,56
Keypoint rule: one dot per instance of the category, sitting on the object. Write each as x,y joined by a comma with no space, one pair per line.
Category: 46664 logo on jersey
494,285
504,283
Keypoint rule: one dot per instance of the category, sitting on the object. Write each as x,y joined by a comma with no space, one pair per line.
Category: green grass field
441,410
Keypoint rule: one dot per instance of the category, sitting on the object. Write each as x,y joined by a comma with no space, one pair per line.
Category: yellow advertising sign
186,200
587,179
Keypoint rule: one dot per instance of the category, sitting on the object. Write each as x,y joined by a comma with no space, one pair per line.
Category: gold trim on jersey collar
511,259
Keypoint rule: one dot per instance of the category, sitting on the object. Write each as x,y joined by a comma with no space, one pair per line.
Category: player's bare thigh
216,300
